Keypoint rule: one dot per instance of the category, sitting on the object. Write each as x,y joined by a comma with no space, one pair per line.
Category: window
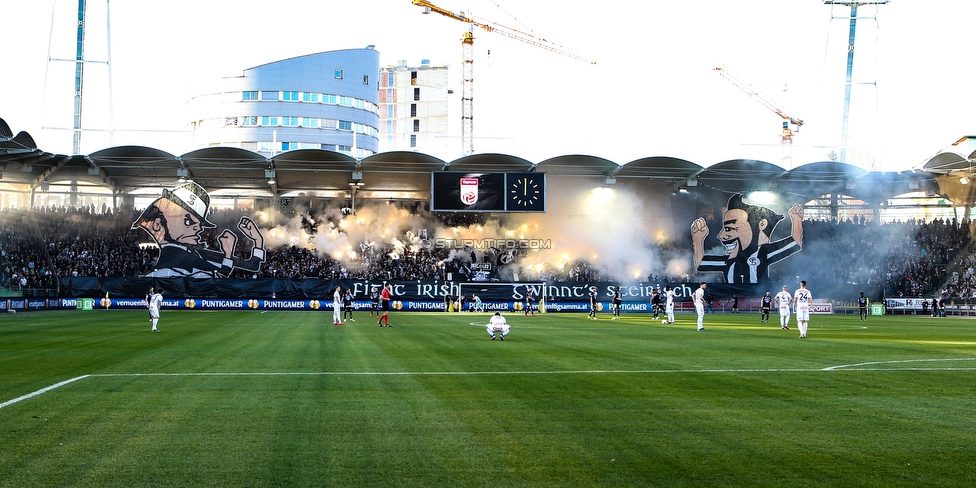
289,121
310,97
251,120
389,126
329,99
269,120
345,125
286,146
389,111
413,140
416,125
413,77
266,146
338,74
413,109
365,79
249,95
344,149
250,146
269,95
290,95
329,147
345,101
390,77
416,93
310,122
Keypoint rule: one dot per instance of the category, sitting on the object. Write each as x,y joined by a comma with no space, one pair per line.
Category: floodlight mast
467,46
853,4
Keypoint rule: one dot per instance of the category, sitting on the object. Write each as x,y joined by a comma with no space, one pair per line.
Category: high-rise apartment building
413,108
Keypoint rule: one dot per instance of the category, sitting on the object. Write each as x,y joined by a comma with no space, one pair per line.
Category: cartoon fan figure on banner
175,221
746,231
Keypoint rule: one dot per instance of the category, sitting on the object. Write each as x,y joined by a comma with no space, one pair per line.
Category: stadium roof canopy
404,174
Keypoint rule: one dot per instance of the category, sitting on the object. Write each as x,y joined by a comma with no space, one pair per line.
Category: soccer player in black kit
765,302
529,300
374,303
862,306
592,303
616,303
656,302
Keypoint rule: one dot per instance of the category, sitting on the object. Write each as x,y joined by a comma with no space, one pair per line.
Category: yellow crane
791,125
467,47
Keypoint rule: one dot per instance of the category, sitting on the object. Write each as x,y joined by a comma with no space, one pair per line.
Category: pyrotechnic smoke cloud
610,228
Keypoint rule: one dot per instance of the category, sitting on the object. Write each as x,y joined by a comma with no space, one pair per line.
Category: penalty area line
902,361
42,390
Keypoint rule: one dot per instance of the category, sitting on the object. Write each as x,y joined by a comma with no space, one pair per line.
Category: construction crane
467,47
791,125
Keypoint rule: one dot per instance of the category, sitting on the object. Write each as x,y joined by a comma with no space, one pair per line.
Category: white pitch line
42,390
857,365
471,373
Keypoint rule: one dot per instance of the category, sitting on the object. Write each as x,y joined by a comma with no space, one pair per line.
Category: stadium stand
911,258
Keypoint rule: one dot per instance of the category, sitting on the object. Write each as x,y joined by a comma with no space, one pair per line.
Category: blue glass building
328,100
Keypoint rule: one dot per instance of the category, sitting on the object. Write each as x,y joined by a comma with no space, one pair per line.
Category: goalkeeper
498,325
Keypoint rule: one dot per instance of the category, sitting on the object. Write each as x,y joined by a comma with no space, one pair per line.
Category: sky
652,92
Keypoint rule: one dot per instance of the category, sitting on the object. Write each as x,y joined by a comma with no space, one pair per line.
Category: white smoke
613,229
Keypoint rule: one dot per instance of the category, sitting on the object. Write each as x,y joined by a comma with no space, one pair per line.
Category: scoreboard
460,191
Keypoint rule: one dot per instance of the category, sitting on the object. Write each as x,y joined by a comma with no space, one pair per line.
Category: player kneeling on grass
497,324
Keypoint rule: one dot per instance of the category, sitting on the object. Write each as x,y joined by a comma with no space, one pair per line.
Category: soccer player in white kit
497,323
669,303
783,301
699,298
154,300
337,306
804,300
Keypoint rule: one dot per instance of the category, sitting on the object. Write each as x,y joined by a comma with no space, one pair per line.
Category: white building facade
413,108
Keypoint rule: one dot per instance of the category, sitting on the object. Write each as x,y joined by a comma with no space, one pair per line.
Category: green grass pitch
245,398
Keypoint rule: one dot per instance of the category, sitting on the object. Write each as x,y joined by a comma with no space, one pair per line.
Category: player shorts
784,312
504,328
386,305
803,314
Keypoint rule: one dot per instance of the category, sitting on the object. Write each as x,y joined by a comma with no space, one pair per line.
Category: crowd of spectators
910,258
